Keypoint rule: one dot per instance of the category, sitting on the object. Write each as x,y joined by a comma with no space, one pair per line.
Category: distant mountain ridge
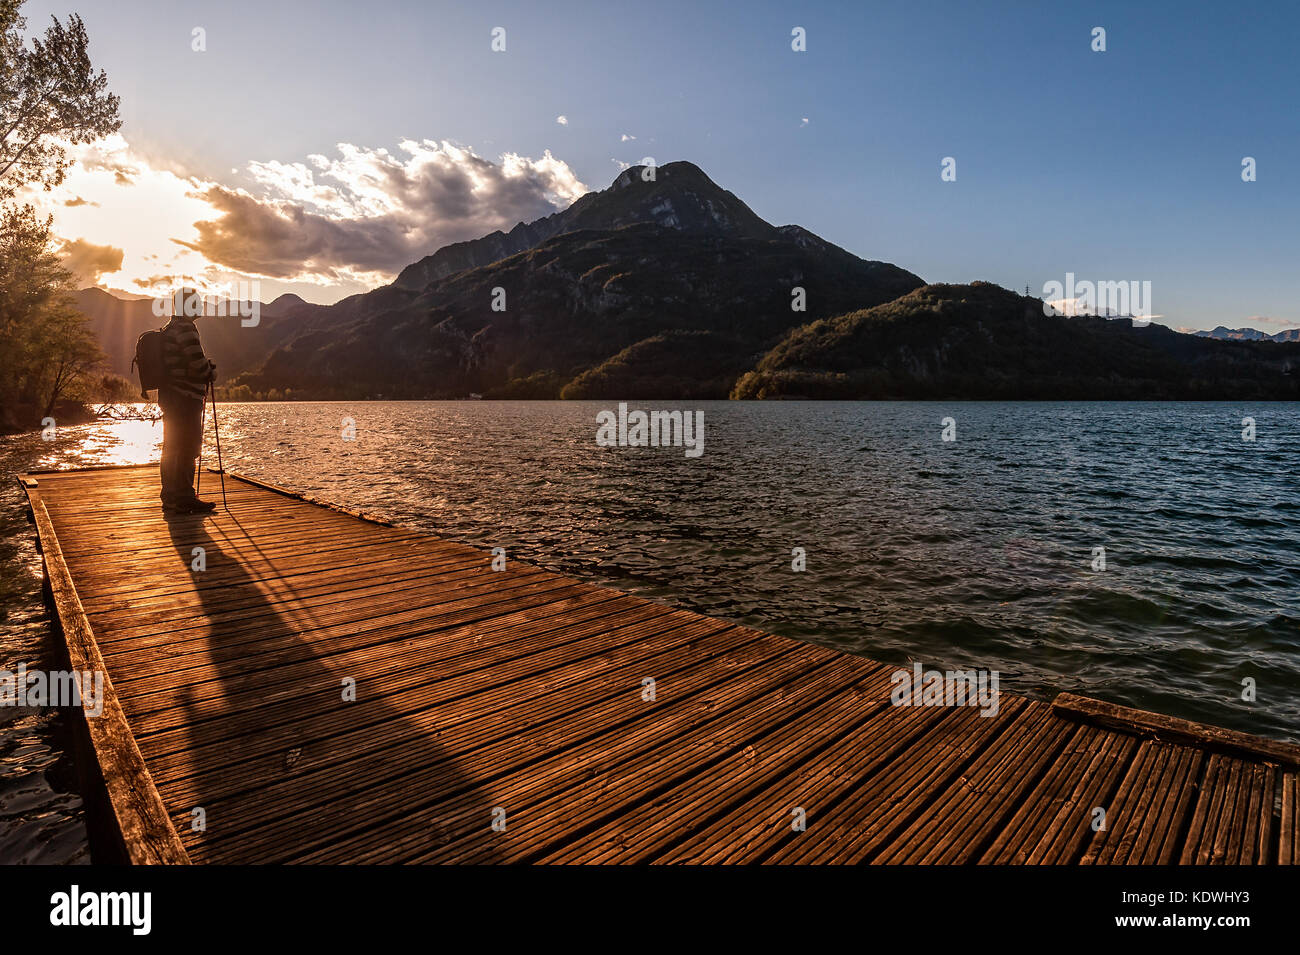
1223,333
118,322
672,287
981,341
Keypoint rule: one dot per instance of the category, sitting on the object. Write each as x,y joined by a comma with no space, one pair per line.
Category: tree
68,353
111,387
50,98
30,276
45,344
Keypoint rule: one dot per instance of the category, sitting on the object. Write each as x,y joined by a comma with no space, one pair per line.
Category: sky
317,148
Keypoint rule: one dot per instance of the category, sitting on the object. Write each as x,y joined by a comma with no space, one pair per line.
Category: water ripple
978,551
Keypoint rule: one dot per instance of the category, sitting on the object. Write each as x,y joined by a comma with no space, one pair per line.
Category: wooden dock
334,689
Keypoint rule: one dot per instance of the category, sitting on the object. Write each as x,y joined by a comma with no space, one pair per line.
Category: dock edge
142,828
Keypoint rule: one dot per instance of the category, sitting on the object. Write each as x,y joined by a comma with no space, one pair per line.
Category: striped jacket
187,367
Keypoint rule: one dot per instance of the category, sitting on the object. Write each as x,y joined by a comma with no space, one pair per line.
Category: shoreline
64,413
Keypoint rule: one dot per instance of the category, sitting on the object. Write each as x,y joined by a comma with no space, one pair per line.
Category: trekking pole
221,468
198,472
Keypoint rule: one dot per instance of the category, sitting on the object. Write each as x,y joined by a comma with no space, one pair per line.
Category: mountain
282,304
674,288
981,341
1250,335
638,266
680,197
118,322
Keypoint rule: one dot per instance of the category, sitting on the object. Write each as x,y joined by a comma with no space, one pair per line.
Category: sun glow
123,442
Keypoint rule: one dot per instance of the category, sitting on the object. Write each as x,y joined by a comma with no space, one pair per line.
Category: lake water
973,552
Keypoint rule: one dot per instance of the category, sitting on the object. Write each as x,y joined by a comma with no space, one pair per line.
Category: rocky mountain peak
677,195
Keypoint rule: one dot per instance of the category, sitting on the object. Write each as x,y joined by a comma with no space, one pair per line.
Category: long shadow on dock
280,763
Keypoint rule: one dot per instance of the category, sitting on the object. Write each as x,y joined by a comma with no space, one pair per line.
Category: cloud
88,261
93,211
369,213
562,120
1255,321
626,137
111,154
1081,305
345,222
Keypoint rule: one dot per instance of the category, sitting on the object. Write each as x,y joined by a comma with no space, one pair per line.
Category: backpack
149,361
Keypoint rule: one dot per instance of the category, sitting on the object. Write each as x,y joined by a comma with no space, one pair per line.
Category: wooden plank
980,801
142,822
1057,814
1163,847
286,705
460,737
508,653
1074,820
1172,729
876,814
161,674
445,819
745,834
473,712
1288,832
747,776
192,614
1127,811
1153,801
573,789
1213,818
527,584
278,628
1256,837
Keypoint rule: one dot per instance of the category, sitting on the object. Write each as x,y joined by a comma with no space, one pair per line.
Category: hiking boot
191,506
